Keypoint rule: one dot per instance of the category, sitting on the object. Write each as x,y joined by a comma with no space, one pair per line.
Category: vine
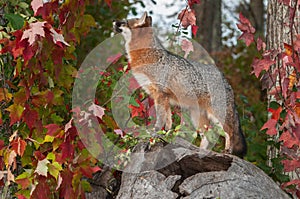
282,83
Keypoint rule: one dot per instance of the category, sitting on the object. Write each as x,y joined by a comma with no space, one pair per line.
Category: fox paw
228,151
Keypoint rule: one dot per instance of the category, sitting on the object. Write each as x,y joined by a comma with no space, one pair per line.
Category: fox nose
116,26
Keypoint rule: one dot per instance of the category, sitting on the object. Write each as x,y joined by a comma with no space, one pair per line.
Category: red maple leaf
187,18
289,139
2,144
245,25
194,30
247,37
88,170
275,113
137,111
24,182
290,165
261,64
271,126
15,47
66,187
42,189
67,150
248,30
52,129
47,9
30,117
285,87
57,55
261,45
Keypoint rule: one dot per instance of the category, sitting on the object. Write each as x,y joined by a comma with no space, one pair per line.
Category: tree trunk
280,31
258,15
195,173
208,15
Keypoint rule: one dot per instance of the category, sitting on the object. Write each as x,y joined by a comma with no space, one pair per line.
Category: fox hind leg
168,125
200,121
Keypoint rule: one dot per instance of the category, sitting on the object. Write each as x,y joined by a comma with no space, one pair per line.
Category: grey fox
171,79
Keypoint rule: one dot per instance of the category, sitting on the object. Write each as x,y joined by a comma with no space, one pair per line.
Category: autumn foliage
43,155
279,70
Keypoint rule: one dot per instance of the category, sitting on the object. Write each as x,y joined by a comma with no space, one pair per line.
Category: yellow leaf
293,80
5,95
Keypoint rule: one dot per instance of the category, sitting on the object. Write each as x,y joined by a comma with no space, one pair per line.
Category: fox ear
142,20
149,20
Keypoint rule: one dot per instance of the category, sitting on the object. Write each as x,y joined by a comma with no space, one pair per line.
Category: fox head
121,26
137,32
127,27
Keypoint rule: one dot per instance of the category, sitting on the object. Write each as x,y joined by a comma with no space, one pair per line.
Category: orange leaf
16,111
297,109
293,80
24,182
19,145
288,49
5,95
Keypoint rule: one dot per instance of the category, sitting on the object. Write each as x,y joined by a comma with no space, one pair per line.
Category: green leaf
56,118
49,138
22,176
86,186
54,169
23,5
89,20
50,156
15,20
133,102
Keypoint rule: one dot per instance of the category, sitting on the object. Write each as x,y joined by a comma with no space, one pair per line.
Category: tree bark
195,173
208,15
279,31
258,15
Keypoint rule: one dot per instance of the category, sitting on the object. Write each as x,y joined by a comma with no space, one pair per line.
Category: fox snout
117,25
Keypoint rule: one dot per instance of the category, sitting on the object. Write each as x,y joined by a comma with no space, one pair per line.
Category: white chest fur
143,80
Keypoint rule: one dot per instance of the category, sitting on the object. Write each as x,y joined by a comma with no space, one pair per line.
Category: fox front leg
163,112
